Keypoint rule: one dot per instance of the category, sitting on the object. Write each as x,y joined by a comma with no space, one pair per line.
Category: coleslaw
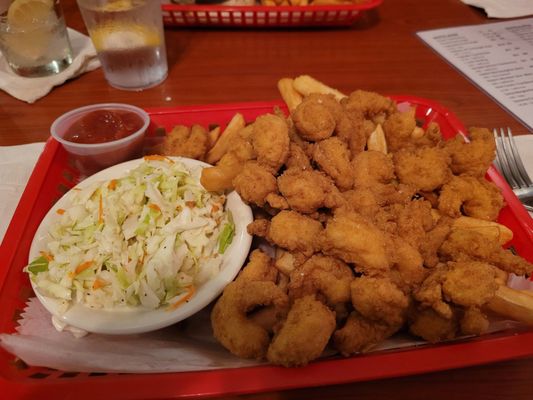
146,239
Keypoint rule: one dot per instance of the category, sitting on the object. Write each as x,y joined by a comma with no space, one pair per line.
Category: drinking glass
34,38
129,38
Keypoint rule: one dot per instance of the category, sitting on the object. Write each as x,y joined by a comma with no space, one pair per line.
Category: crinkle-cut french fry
512,303
306,85
212,137
377,141
490,229
289,94
223,144
417,133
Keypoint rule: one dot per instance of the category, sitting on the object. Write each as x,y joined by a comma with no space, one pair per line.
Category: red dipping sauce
101,126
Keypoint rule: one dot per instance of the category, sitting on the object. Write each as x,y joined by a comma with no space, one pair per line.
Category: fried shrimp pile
378,225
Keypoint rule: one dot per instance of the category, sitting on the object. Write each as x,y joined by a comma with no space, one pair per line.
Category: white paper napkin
16,166
503,8
32,89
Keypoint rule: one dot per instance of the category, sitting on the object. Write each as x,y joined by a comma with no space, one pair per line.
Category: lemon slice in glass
124,36
25,13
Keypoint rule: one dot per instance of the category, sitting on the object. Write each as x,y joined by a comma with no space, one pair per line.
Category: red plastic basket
53,175
264,16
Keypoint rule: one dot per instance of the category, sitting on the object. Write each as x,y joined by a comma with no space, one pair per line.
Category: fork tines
508,160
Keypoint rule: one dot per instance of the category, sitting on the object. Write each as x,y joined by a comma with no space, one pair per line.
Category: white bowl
139,319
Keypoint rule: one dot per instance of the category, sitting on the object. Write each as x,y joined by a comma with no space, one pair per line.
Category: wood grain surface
381,52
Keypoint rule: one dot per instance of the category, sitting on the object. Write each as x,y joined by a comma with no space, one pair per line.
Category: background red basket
54,175
264,16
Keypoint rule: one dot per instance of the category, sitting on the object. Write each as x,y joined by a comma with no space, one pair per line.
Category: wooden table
380,53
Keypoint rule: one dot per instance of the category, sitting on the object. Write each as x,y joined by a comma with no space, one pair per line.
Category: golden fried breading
260,267
185,142
371,167
324,276
297,158
469,283
290,230
465,245
230,322
475,157
430,326
372,105
314,120
306,191
476,197
303,335
378,299
354,239
474,322
270,140
360,334
407,270
429,293
352,130
433,239
362,200
254,183
425,168
398,129
333,157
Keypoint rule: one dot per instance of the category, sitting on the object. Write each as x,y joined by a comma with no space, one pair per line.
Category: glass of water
129,38
34,38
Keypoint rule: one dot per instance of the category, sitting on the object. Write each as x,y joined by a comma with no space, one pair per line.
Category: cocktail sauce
101,126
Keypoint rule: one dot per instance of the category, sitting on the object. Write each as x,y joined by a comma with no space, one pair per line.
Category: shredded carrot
46,255
154,207
215,208
99,283
112,185
190,292
178,208
190,204
100,210
157,157
82,267
60,211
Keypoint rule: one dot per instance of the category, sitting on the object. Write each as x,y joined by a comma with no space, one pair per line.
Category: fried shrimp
352,238
474,157
469,284
313,119
477,198
260,267
230,323
270,140
254,183
398,129
371,167
371,105
378,299
433,327
185,142
360,334
307,191
464,245
290,230
304,334
425,168
333,157
327,276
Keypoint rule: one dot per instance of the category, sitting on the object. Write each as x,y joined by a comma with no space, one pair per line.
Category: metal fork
510,164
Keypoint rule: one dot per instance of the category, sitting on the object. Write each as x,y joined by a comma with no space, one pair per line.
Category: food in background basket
148,239
378,225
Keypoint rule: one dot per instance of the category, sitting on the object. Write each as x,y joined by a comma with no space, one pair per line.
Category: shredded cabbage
146,239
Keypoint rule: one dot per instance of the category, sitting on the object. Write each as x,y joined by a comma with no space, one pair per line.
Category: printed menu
498,57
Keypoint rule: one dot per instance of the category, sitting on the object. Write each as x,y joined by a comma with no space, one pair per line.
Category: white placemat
503,8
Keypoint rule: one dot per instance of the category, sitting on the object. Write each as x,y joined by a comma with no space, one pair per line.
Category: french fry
376,141
212,137
223,144
490,229
289,94
512,303
306,85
